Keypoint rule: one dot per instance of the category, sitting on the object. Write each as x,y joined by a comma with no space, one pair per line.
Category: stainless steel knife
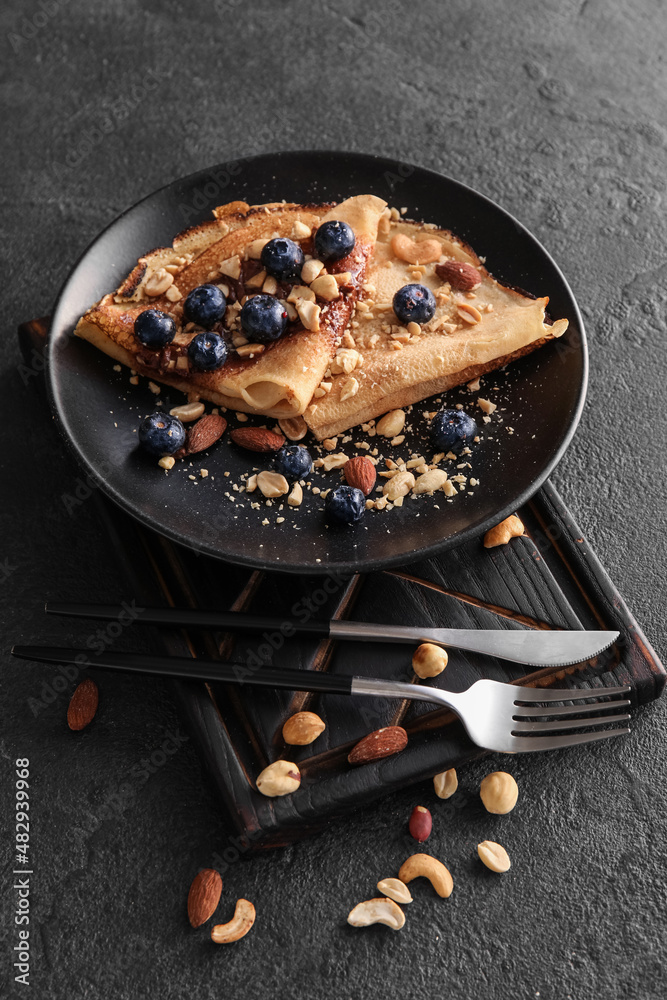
536,647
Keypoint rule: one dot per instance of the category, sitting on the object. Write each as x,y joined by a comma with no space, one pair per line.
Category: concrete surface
558,112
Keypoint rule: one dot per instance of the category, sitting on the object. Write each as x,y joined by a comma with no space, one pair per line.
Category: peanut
494,856
446,783
280,778
377,911
391,423
395,889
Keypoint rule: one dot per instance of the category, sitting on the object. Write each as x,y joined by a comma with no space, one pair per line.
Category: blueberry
161,434
282,258
414,304
205,305
207,351
293,461
345,505
263,318
334,240
154,328
452,430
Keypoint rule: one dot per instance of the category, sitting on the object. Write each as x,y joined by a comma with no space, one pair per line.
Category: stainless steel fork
513,719
496,716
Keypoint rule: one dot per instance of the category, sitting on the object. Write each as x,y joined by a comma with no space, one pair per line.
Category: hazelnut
429,660
499,792
302,728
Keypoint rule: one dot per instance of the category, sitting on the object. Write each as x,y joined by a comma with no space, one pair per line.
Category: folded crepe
277,380
384,365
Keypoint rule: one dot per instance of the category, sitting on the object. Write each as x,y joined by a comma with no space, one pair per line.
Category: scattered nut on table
423,865
303,728
421,824
499,792
238,926
280,778
511,527
429,660
395,889
380,910
494,856
204,896
446,783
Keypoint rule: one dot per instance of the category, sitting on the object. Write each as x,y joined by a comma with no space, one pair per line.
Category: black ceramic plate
540,397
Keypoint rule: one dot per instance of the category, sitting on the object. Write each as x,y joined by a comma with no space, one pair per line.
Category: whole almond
202,435
83,705
460,275
257,439
204,896
381,743
360,473
421,824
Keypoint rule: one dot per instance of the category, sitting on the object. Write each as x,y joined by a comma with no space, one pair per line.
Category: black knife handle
232,621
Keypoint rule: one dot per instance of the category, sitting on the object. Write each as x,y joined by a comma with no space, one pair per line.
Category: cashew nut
511,527
395,889
430,868
381,910
413,252
238,926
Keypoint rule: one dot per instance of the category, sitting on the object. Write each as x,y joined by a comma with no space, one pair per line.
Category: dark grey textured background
558,112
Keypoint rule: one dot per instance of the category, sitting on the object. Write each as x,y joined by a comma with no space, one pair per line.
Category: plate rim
366,565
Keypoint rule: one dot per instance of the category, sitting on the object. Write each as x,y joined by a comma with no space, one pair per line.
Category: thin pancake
396,368
280,381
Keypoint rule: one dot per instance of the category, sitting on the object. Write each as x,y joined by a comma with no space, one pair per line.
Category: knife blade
534,647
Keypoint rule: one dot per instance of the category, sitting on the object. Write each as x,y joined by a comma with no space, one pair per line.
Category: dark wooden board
547,579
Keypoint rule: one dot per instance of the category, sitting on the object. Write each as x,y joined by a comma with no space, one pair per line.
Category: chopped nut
310,270
343,278
329,444
301,292
173,294
231,267
309,314
296,496
325,287
449,489
349,388
250,350
158,282
486,405
272,484
300,231
257,280
167,462
346,360
254,249
330,462
270,286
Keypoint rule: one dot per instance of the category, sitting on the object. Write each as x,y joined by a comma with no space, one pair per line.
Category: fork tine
535,711
524,694
556,725
526,744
